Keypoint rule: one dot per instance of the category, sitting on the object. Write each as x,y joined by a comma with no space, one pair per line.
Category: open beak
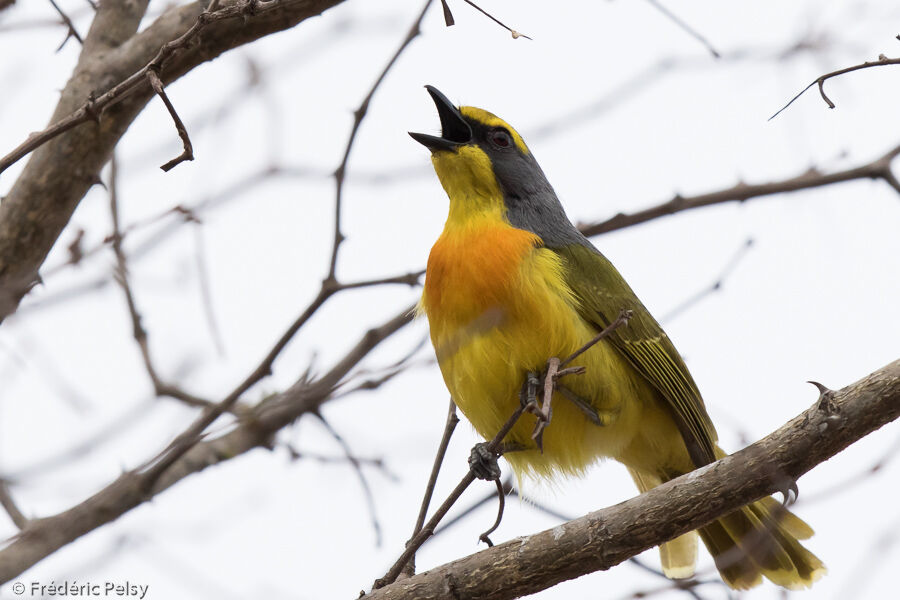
454,130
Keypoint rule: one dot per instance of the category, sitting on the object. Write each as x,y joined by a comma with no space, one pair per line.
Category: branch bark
60,172
880,168
605,538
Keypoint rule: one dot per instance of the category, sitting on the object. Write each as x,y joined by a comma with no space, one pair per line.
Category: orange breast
473,269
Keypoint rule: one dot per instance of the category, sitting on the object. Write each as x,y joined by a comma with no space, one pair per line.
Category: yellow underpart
482,266
492,120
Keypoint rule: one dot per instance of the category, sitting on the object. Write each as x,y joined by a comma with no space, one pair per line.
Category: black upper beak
454,130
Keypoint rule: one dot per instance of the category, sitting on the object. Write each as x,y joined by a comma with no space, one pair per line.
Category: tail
759,540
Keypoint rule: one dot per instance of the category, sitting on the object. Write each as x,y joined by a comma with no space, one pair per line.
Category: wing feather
603,294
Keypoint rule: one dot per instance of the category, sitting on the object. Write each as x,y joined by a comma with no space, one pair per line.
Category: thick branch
880,168
605,538
61,170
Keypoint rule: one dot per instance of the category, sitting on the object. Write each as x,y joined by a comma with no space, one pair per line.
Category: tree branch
605,538
106,92
880,168
820,81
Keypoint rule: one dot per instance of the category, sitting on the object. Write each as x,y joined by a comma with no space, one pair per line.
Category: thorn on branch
188,153
826,399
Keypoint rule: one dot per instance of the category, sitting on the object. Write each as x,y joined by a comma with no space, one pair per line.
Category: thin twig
358,115
515,34
72,32
449,426
685,27
160,387
621,320
205,291
501,504
188,152
428,529
507,490
715,286
357,467
544,413
7,502
556,369
820,81
376,462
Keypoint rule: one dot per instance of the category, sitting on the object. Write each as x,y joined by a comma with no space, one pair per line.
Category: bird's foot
483,462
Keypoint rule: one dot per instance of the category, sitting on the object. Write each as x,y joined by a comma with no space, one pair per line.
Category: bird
510,283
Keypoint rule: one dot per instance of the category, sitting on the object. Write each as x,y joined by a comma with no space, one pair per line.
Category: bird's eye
501,138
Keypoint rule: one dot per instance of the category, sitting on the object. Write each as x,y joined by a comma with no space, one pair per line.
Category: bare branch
880,168
72,32
515,34
358,115
412,546
685,27
820,81
605,538
357,467
714,287
160,387
449,426
72,151
188,153
8,504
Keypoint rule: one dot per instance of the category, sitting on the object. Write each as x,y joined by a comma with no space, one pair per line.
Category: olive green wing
603,294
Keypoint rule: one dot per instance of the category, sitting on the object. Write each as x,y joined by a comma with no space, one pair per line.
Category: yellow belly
531,318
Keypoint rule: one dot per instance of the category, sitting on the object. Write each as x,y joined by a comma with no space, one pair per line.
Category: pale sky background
621,108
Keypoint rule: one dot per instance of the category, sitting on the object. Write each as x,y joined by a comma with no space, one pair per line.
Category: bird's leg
601,418
528,393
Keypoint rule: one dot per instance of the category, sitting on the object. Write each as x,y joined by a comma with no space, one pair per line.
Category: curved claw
789,492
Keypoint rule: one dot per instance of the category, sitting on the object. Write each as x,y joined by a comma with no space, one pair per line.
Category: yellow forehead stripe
492,120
